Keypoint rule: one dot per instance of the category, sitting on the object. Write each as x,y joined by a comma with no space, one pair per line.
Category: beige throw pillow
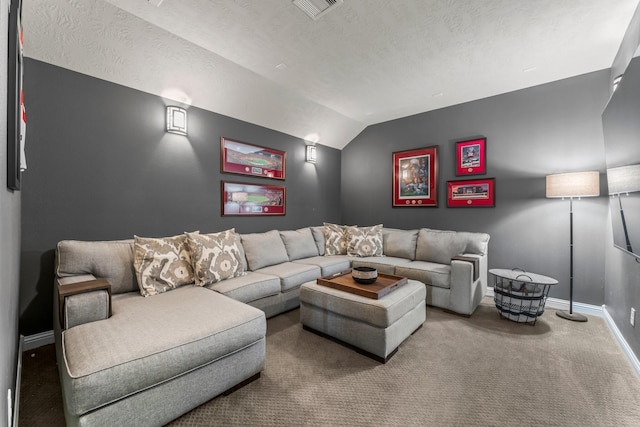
364,241
162,264
215,256
335,241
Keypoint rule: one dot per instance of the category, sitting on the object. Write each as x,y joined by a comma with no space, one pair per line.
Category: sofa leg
241,384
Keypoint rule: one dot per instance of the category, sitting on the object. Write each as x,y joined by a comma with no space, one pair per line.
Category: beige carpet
454,371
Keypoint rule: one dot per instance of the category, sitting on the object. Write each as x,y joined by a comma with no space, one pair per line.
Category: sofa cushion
292,274
440,246
148,341
264,249
399,243
299,243
250,287
429,273
215,256
335,239
328,264
384,264
318,236
111,260
162,263
364,241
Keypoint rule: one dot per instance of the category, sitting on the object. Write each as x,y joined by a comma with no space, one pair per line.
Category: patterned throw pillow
162,264
364,241
215,256
335,242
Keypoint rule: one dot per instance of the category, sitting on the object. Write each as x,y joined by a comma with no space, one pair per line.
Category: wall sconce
574,184
311,155
177,120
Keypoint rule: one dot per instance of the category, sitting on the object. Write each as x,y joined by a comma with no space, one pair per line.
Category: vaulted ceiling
363,62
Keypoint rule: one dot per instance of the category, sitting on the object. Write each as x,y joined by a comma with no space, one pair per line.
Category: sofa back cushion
318,236
264,249
440,246
299,243
399,243
111,260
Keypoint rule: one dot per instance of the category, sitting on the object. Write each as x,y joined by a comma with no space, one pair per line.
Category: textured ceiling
365,62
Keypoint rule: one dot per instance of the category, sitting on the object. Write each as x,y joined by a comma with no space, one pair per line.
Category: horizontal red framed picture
471,193
471,157
250,199
247,159
415,177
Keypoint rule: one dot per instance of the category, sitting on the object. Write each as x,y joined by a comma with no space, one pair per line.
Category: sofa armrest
468,282
83,302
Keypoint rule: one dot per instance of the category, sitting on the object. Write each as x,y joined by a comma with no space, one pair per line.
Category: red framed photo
247,159
250,199
471,157
471,193
415,177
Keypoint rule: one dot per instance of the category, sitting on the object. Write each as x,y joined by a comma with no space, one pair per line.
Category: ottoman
374,327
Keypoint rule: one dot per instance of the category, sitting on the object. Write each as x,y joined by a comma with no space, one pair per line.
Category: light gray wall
530,133
621,122
101,166
9,244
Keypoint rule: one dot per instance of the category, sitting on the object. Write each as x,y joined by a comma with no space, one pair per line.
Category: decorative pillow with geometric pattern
162,264
335,242
364,241
215,256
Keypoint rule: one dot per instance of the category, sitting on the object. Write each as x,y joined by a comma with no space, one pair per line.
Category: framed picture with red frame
248,159
471,157
415,177
239,199
471,193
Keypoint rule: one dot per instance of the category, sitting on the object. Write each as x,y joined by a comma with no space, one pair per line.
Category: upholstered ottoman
375,327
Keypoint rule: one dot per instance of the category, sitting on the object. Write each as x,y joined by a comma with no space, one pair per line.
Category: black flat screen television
621,129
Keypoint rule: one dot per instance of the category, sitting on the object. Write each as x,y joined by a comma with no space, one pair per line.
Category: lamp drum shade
625,179
574,184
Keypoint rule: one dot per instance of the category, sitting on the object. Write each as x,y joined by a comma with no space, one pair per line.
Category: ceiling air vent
316,9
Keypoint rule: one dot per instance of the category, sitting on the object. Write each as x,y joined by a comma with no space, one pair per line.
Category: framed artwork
250,199
471,157
16,126
471,193
415,177
247,159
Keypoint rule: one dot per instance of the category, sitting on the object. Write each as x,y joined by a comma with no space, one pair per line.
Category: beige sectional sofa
125,359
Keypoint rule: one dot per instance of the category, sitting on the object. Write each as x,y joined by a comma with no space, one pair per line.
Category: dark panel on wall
530,133
101,167
621,124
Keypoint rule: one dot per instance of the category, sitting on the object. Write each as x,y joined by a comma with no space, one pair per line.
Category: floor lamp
570,185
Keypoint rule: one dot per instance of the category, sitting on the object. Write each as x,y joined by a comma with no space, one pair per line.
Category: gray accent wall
102,167
530,133
9,244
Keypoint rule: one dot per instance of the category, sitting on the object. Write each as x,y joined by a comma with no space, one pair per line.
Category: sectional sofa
141,338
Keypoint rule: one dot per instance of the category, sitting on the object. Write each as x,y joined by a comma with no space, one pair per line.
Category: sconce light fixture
570,185
311,155
176,120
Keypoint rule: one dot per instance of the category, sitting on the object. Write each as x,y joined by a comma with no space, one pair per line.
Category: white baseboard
16,395
38,340
633,359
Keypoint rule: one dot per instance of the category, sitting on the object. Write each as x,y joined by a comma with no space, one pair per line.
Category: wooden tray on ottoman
343,281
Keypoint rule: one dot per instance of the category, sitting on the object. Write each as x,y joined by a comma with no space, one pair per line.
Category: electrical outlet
632,317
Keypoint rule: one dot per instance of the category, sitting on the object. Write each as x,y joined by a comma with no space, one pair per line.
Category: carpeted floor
454,371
